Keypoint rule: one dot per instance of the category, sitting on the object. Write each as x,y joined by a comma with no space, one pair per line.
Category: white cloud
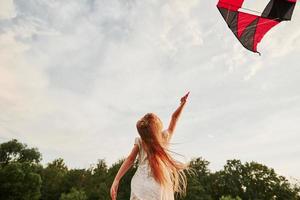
7,9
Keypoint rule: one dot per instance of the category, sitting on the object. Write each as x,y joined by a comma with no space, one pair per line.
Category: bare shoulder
165,132
166,135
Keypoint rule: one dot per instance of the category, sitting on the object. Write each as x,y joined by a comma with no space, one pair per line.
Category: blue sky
75,76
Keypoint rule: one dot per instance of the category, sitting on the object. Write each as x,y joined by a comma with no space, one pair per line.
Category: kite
250,28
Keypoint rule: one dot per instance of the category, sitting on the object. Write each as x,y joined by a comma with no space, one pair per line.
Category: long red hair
164,168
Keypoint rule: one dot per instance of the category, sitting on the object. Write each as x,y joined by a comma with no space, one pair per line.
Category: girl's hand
114,190
183,99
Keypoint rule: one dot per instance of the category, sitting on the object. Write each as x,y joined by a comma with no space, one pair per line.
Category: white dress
143,184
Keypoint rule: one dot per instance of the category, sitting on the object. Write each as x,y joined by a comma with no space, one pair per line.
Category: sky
76,75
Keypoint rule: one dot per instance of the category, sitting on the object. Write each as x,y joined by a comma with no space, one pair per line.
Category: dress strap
142,153
138,142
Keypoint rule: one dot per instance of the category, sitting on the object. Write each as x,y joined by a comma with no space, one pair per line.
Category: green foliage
23,178
14,151
198,181
74,194
100,179
53,177
19,181
19,172
253,181
229,198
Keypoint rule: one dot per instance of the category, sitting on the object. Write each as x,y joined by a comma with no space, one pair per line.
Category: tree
229,180
229,198
253,181
14,151
75,178
97,187
19,178
53,180
74,194
261,182
198,187
23,178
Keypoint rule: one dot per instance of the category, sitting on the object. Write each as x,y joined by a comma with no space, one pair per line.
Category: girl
158,175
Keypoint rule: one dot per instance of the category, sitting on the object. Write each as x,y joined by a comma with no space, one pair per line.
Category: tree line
23,177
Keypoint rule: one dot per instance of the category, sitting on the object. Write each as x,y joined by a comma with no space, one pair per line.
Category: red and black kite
249,28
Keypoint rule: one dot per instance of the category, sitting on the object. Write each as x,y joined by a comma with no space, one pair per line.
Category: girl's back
143,184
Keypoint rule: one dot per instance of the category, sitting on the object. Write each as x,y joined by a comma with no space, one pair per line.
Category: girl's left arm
127,164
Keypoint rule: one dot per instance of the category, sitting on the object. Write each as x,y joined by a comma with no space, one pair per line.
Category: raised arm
176,114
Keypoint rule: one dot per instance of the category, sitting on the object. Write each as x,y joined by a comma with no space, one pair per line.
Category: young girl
158,175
